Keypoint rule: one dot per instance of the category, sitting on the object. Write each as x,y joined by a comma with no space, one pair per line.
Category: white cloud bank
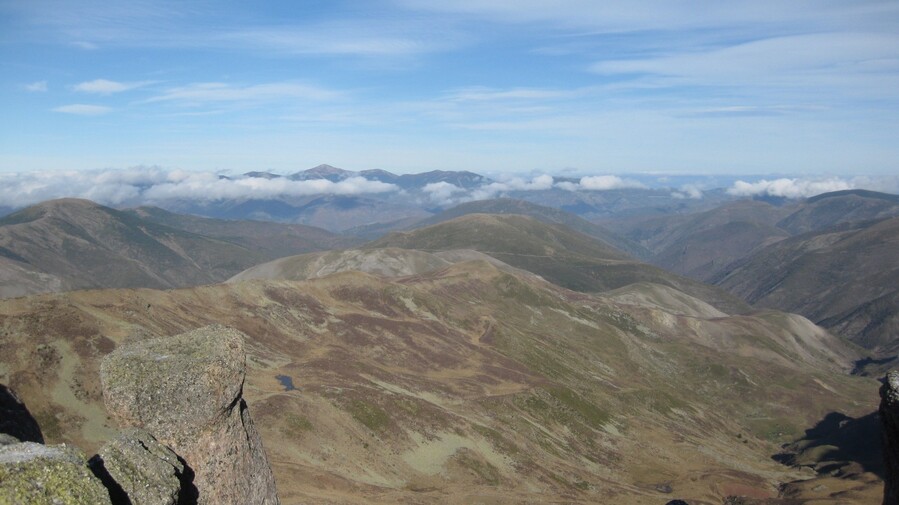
601,183
143,185
790,188
688,191
442,193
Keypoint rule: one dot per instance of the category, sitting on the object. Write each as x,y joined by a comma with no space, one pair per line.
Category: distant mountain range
462,179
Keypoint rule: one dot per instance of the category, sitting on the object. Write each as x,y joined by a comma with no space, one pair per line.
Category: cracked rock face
889,419
47,475
137,469
187,391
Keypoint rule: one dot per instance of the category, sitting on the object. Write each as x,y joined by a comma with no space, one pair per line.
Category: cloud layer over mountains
151,185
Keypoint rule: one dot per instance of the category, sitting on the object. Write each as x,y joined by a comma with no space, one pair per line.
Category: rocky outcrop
16,423
889,420
138,470
38,474
187,391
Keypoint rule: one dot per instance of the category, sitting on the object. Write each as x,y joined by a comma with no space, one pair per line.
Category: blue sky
807,87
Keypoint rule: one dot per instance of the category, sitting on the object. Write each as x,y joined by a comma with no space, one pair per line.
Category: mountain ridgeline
831,258
558,254
76,244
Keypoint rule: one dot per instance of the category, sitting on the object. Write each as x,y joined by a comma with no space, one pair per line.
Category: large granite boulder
37,474
187,391
138,470
889,419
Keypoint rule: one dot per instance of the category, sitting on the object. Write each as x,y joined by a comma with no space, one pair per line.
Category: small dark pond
286,381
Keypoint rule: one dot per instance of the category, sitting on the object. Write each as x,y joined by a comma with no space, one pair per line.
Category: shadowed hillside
274,240
75,244
844,278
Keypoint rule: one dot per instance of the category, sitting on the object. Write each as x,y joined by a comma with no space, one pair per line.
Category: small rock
47,475
139,470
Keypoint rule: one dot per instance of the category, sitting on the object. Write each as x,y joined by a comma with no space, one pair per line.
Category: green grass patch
296,425
371,416
497,440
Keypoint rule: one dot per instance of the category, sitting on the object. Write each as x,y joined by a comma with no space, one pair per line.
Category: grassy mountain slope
75,244
468,384
541,213
389,262
844,278
273,240
839,207
561,255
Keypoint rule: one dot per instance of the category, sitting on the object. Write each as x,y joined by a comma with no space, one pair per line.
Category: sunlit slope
468,384
558,254
541,213
388,262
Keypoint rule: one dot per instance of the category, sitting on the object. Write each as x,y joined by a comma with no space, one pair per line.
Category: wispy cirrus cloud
107,87
80,109
350,37
850,61
36,87
485,94
211,92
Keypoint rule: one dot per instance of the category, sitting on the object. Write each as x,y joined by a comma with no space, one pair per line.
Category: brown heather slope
470,384
543,214
75,244
273,240
389,262
557,253
845,278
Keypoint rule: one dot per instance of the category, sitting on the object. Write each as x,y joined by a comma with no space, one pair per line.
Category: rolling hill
274,240
839,207
470,384
558,254
76,244
845,278
541,213
389,262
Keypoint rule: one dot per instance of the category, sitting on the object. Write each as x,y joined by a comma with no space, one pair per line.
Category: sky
806,88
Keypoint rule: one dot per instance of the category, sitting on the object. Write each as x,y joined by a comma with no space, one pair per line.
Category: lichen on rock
187,391
37,474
